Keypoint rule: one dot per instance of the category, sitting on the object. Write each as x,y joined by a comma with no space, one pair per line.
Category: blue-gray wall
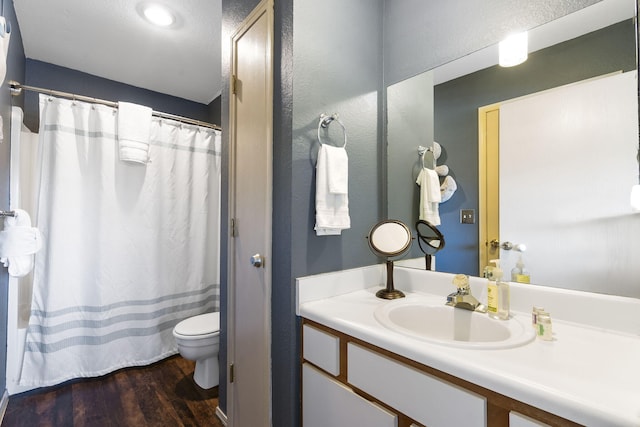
49,76
15,71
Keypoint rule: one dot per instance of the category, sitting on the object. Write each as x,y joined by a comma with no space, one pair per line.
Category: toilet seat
198,326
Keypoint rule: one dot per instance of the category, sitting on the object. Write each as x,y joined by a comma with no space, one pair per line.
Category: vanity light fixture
158,15
513,50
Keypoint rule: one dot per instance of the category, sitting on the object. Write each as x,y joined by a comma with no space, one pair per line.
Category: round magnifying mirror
430,240
431,237
389,238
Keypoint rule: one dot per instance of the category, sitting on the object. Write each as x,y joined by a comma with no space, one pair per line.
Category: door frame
488,183
264,7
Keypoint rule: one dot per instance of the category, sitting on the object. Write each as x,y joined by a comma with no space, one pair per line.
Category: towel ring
324,122
422,151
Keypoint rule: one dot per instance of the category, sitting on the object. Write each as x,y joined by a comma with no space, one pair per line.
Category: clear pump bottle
519,273
498,295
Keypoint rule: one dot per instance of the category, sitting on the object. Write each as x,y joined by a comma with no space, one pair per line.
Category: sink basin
450,326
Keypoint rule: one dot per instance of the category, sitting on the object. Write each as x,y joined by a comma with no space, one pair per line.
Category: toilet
198,338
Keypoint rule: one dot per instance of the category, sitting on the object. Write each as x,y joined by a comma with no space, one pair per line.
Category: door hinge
232,373
234,84
233,227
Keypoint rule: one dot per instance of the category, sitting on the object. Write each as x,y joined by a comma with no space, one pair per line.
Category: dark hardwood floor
162,394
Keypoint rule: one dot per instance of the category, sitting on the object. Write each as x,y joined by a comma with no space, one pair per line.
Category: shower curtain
130,249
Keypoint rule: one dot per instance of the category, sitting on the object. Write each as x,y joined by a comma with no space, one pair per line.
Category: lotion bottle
519,273
497,294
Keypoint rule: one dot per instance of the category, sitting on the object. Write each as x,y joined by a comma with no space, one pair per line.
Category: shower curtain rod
16,89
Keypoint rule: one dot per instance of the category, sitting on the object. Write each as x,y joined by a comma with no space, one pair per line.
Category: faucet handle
461,281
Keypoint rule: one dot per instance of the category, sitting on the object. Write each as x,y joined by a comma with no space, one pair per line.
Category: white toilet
198,339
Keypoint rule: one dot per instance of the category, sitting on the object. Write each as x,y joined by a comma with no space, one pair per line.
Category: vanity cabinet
327,401
346,382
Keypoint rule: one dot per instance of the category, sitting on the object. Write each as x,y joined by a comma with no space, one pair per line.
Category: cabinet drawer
326,402
322,349
425,398
519,420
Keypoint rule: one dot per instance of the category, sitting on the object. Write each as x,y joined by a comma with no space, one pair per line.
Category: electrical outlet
467,216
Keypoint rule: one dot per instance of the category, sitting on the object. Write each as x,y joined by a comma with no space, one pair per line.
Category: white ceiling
110,39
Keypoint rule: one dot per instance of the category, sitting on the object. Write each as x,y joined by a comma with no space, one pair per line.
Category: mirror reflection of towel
430,196
332,207
18,242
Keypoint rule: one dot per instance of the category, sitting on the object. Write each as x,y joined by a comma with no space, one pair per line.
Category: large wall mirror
579,231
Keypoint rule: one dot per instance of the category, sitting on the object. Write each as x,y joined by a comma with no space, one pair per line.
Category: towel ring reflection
421,152
326,120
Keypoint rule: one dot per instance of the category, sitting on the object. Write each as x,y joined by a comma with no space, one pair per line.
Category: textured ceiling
110,39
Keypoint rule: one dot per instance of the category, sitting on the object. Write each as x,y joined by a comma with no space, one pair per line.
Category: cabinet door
326,402
321,349
425,398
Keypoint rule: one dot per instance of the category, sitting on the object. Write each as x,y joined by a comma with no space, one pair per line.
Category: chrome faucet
462,298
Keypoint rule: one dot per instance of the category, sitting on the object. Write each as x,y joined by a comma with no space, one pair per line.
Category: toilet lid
199,325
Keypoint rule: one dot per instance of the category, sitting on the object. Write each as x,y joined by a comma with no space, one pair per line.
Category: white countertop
588,374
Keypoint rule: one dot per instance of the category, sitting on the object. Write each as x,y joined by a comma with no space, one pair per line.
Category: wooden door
251,114
489,183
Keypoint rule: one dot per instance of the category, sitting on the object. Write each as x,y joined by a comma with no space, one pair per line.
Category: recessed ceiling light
513,50
158,15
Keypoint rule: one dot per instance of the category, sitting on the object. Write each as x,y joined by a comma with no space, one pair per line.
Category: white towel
18,242
337,169
332,209
134,125
429,195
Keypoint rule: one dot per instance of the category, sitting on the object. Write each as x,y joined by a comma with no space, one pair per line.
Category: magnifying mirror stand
427,261
389,292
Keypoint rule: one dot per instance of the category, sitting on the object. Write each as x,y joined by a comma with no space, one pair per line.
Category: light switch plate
467,216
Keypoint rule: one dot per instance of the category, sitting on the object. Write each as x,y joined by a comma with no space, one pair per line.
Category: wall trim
219,413
3,404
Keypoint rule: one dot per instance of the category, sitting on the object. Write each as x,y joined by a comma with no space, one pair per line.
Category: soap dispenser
497,294
519,273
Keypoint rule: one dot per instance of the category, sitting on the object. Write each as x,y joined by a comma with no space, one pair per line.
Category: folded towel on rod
332,199
134,126
430,196
18,242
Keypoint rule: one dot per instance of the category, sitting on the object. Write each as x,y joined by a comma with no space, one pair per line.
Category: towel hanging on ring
332,184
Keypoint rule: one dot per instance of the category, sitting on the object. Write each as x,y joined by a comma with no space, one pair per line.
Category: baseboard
3,405
221,415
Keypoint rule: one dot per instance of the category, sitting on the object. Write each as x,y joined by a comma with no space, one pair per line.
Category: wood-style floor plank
161,394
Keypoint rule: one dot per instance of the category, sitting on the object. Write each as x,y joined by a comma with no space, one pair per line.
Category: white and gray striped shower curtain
129,250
